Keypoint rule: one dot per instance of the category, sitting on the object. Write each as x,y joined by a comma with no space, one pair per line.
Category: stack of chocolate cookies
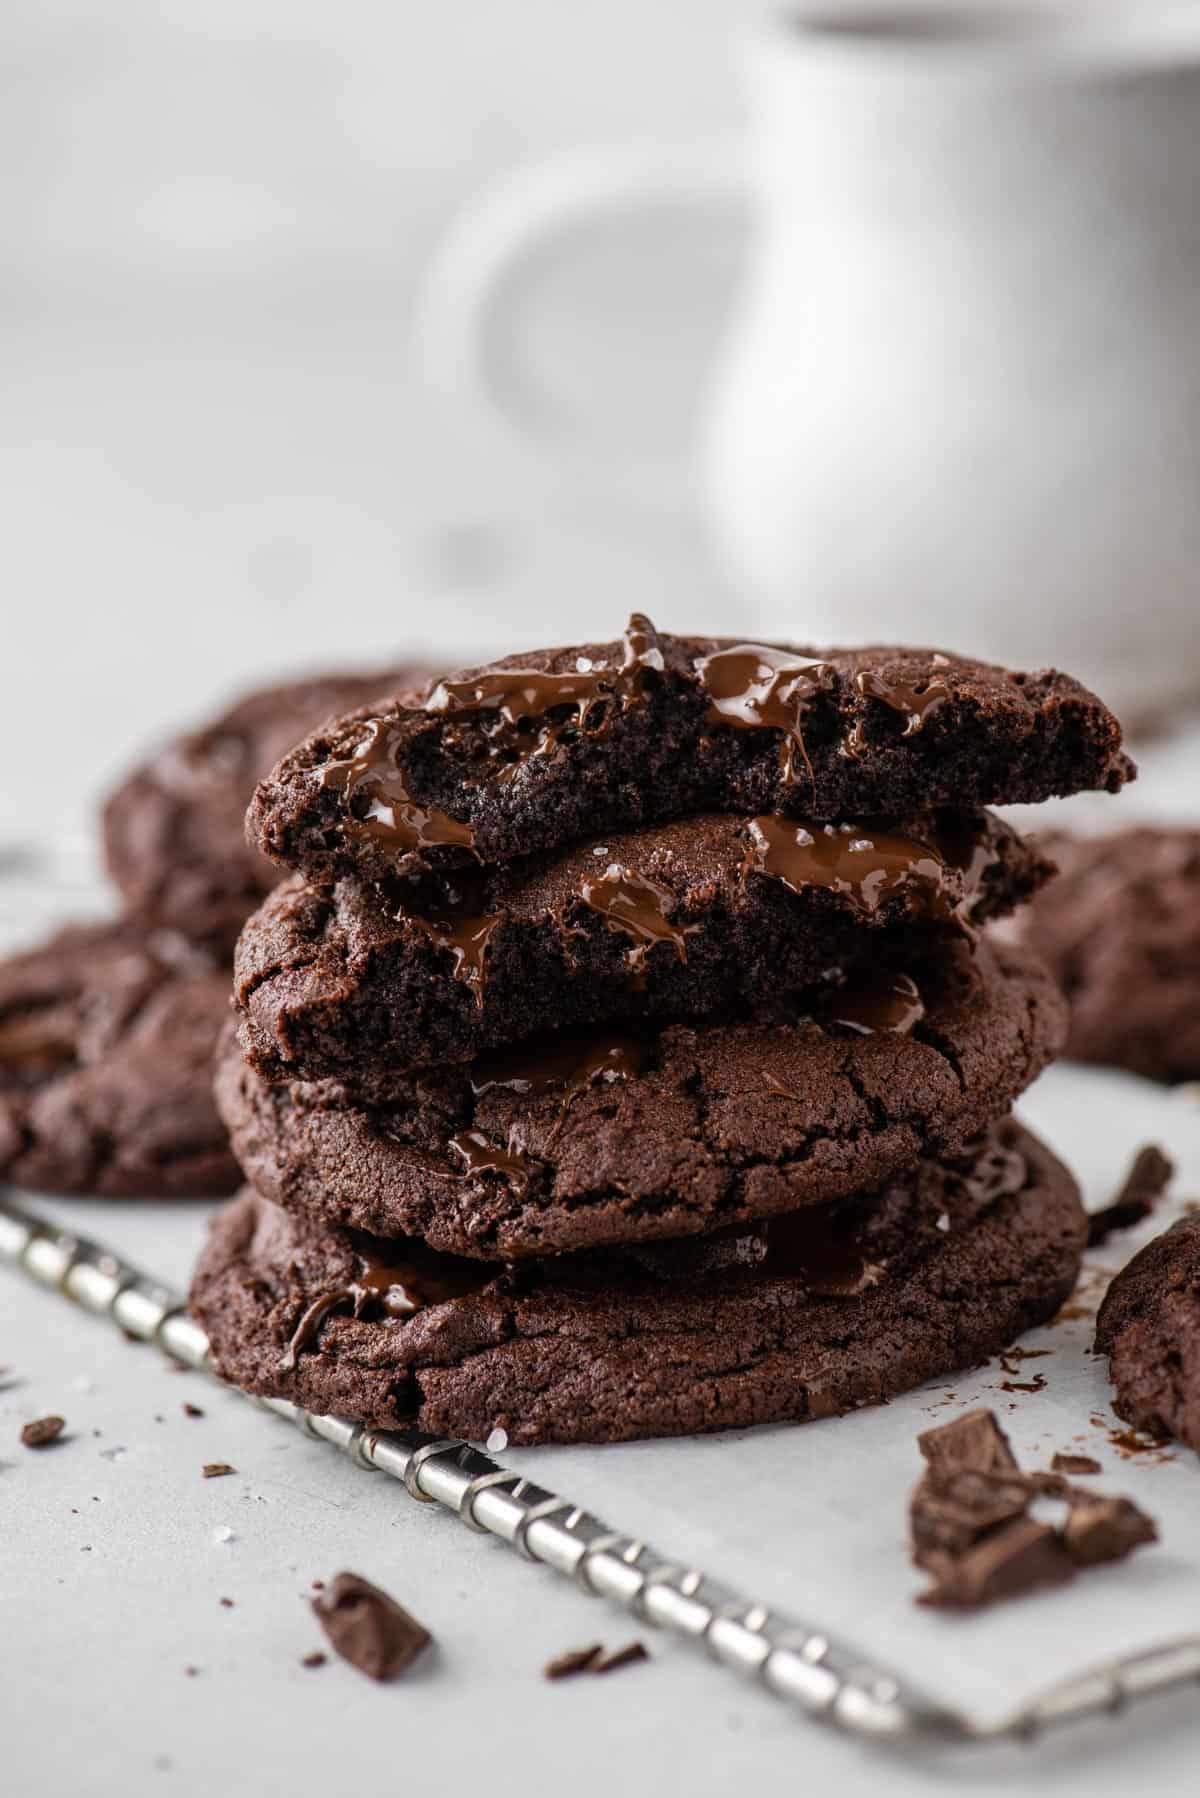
623,1056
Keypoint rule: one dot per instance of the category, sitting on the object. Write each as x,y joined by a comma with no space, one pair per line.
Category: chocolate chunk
369,1629
576,1660
42,1431
1147,1180
1075,1464
972,1527
215,1470
973,1442
1015,1559
623,1657
1104,1529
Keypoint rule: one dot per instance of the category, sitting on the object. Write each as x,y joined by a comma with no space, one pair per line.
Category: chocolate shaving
1150,1173
369,1629
972,1526
576,1660
42,1430
215,1470
623,1657
1075,1464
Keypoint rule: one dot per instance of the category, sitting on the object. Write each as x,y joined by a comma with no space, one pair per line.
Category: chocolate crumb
1075,1464
315,1659
974,1440
624,1657
42,1430
215,1470
318,1585
369,1629
191,1672
191,1410
576,1660
1150,1173
226,1603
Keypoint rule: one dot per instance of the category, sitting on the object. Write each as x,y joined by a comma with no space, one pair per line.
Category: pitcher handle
465,334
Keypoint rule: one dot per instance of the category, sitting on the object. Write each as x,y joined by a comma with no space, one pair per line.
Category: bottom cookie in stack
810,1314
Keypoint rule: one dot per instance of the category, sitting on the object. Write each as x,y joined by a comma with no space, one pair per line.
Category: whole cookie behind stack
621,1058
107,1032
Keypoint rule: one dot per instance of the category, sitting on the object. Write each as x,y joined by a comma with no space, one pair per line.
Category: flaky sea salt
223,1533
496,1442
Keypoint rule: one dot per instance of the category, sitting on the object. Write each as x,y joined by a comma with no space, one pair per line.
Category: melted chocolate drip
636,906
517,701
808,1245
479,1155
422,1277
864,863
756,687
392,815
570,1066
914,704
467,935
877,1004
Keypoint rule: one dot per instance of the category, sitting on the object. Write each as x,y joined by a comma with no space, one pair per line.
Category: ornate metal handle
798,1662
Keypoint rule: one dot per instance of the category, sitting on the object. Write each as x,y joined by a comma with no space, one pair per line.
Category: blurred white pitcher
960,394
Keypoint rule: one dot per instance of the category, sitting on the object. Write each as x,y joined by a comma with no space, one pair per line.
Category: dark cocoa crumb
1075,1464
315,1659
624,1657
191,1672
318,1585
215,1470
42,1430
1149,1176
191,1410
576,1660
226,1603
369,1629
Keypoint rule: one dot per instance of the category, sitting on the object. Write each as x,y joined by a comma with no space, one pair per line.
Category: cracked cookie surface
833,1308
106,1044
538,751
616,1137
677,921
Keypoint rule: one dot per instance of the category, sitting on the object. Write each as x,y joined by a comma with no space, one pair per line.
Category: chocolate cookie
810,1315
622,1136
1120,929
174,830
559,746
1149,1327
106,1044
681,920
